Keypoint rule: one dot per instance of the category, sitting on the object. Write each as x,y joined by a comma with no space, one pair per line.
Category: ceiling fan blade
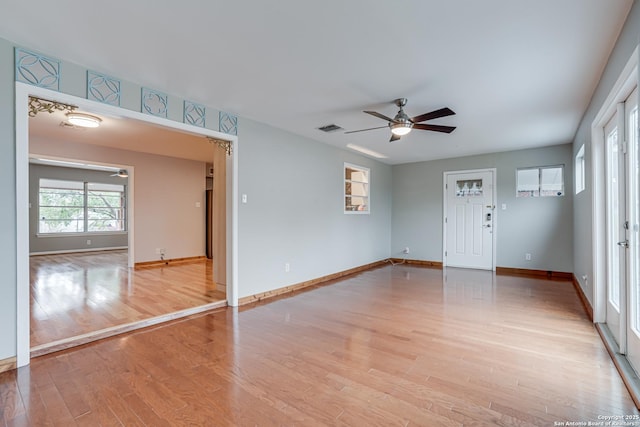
436,128
364,130
380,116
394,137
436,114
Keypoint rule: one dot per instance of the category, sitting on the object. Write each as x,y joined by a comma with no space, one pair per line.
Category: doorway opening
135,246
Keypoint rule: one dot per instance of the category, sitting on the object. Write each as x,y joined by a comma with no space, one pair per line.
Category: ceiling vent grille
329,128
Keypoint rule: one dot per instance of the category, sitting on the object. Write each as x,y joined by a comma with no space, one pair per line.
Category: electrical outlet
287,267
88,241
527,257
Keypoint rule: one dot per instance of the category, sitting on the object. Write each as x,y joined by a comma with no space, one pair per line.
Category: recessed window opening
544,181
356,189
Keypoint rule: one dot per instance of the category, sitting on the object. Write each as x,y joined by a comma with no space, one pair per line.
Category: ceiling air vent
329,128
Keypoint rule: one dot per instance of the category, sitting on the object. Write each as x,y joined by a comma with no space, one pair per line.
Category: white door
632,294
469,219
623,228
615,217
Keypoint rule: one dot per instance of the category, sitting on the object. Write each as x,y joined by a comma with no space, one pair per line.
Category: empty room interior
343,213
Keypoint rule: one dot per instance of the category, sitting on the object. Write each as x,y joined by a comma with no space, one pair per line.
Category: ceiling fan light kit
400,128
402,124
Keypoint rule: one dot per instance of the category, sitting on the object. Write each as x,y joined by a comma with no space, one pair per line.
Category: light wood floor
396,345
75,294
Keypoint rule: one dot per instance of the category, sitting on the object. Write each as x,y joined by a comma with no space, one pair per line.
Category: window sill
95,233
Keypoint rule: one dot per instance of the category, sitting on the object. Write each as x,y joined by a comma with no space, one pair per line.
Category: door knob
624,244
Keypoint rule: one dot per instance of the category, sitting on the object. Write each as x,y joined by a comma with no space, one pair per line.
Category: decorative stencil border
103,88
154,103
194,114
36,69
228,123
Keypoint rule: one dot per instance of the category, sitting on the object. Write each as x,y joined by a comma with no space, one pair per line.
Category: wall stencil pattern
36,69
194,114
228,123
103,88
154,102
44,71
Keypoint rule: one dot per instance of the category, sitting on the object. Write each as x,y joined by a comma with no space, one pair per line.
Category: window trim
344,192
85,207
540,169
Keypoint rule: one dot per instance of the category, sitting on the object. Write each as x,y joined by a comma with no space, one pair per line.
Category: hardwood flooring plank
397,345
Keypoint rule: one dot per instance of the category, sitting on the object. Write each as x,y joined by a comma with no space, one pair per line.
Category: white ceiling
518,73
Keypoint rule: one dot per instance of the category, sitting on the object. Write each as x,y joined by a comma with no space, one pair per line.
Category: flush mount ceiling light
83,120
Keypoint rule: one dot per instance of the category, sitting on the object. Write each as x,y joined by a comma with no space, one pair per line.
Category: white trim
75,251
494,202
344,180
623,87
23,327
22,197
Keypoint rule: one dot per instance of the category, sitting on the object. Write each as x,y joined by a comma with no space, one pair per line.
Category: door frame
22,93
494,202
621,90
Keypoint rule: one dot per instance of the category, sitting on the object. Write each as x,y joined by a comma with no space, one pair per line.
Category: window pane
105,207
468,188
61,220
61,206
528,182
580,170
551,182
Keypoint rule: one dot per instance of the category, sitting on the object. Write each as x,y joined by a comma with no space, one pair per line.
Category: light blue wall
540,226
294,187
583,239
294,213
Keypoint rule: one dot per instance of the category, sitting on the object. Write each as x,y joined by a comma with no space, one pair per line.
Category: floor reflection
74,294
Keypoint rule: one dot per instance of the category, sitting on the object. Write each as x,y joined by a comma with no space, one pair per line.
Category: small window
580,170
547,181
356,189
79,207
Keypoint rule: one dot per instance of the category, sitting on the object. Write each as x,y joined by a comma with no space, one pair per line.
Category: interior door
616,235
469,219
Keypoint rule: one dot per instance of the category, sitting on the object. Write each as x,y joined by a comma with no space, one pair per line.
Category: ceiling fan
402,124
